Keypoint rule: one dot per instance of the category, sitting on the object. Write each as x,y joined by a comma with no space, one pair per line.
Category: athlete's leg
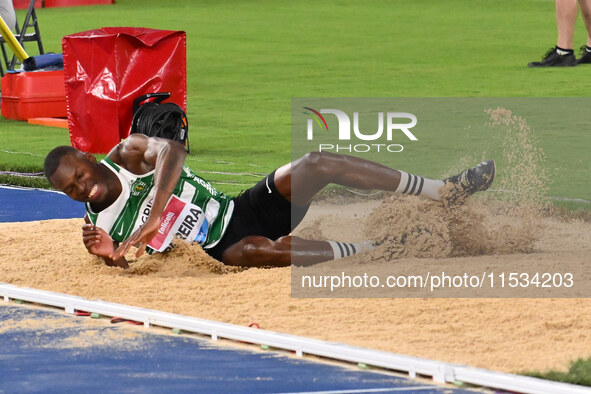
308,175
311,173
258,251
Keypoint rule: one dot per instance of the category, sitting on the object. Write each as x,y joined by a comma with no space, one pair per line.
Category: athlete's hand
139,238
97,241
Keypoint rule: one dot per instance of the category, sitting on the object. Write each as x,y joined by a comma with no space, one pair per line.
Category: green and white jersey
196,212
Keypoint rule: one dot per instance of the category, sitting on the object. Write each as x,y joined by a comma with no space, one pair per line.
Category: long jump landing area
45,349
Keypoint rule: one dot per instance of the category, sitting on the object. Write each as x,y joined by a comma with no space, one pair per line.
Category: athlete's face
80,177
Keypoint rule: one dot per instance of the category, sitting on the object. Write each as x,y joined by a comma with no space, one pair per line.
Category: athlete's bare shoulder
130,153
139,153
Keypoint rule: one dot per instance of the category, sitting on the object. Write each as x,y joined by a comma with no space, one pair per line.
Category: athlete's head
75,173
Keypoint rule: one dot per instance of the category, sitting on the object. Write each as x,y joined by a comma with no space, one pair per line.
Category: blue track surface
25,205
39,356
36,356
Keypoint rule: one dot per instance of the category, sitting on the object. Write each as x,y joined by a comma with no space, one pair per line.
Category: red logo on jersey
171,213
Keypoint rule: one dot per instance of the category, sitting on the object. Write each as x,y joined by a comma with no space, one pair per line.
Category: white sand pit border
439,371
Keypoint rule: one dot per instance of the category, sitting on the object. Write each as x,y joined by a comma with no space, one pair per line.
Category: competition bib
180,219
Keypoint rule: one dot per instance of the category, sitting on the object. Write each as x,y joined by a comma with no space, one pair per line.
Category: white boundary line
555,198
440,372
30,188
407,389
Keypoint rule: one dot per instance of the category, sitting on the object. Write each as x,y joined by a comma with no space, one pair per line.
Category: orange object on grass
36,94
50,122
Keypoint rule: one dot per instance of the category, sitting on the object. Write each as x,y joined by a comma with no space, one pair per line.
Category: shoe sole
492,176
461,192
555,65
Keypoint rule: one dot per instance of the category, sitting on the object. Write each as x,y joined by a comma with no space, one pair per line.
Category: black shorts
260,210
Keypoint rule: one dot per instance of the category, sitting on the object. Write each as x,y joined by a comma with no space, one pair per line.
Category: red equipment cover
73,3
24,4
106,69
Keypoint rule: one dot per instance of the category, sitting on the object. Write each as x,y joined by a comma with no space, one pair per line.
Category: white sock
562,52
343,249
419,186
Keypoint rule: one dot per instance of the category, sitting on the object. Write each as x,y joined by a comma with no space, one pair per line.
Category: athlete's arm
140,154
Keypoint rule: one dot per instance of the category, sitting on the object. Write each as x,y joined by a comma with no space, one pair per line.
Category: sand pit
501,334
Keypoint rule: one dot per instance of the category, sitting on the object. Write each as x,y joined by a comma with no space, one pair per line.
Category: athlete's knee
322,163
313,157
256,247
254,251
283,243
319,158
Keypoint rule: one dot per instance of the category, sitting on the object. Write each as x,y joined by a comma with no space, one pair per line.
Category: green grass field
247,59
579,372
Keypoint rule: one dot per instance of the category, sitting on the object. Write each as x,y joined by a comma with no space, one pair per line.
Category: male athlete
142,195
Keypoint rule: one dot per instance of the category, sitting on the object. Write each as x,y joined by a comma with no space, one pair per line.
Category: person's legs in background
562,55
7,13
586,49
